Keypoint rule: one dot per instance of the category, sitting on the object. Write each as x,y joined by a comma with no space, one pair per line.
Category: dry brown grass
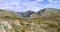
31,18
33,24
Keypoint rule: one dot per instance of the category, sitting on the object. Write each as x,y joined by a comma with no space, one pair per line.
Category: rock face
31,25
26,14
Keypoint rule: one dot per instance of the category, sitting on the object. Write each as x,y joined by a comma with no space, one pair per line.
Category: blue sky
25,5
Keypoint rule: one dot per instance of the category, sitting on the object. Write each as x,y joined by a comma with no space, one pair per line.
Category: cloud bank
25,5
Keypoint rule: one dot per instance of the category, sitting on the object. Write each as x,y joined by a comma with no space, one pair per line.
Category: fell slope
7,13
47,12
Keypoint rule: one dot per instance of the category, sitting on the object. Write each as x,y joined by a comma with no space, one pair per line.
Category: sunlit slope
7,13
53,12
46,12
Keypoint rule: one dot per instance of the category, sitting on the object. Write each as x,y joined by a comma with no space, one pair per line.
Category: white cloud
34,9
31,6
51,1
39,0
55,1
14,3
6,7
29,3
25,5
51,5
11,5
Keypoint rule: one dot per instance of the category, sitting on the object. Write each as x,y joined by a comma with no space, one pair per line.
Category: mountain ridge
46,12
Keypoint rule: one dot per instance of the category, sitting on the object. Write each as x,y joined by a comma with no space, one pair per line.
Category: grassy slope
31,25
11,14
48,12
54,12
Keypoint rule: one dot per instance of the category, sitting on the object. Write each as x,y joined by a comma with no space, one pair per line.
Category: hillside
9,14
46,12
51,12
30,25
45,20
42,13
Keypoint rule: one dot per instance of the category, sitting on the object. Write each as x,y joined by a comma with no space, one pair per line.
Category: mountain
45,20
46,12
9,14
42,13
26,14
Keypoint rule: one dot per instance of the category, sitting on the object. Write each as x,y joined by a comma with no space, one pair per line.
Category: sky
25,5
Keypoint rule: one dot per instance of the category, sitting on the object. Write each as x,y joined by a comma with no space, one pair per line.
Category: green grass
8,13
